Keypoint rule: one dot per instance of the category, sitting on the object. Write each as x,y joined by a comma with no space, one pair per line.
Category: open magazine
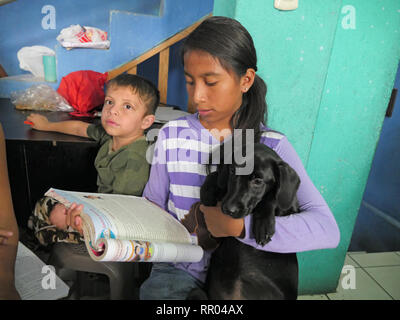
129,228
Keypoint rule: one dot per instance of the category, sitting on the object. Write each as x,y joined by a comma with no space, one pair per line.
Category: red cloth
84,90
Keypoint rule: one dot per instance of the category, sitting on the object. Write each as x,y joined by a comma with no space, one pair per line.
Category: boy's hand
9,292
39,122
73,217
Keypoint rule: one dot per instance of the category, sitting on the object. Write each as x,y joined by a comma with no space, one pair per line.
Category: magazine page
125,217
144,251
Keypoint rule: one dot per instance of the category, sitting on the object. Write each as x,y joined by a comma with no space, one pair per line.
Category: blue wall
383,188
133,27
378,223
21,22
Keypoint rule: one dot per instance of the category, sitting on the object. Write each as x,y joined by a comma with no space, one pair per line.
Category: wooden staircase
162,49
135,36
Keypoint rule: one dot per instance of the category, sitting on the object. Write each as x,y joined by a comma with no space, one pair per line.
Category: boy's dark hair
146,90
228,41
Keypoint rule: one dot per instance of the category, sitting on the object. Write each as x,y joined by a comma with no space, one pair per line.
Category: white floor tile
388,278
377,259
365,288
349,261
313,297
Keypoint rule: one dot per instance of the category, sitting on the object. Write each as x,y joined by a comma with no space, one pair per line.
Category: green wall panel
359,82
293,49
329,67
224,8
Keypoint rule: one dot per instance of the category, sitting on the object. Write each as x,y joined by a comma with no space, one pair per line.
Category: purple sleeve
157,188
313,228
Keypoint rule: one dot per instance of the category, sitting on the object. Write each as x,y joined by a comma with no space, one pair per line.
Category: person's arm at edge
8,251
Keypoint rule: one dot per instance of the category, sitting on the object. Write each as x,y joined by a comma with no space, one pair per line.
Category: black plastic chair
123,276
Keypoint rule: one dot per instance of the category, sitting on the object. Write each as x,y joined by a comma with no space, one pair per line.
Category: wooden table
40,160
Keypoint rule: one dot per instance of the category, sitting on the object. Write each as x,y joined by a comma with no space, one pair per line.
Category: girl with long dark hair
220,66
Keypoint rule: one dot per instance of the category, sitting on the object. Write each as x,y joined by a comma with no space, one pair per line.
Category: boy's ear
148,121
247,80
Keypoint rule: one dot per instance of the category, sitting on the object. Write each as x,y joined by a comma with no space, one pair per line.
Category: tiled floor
367,276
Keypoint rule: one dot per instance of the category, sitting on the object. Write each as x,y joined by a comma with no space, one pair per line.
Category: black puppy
239,271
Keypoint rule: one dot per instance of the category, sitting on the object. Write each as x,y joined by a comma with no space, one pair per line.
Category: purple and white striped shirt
179,169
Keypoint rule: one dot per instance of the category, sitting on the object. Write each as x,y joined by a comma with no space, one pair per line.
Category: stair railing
163,49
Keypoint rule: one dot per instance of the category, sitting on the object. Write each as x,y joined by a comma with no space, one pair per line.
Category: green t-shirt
124,171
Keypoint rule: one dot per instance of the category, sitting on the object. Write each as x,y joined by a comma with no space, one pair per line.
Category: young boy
121,165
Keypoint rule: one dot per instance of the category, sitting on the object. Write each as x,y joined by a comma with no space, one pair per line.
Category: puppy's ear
288,183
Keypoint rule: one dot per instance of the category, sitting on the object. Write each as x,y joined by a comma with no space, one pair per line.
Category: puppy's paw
263,229
263,242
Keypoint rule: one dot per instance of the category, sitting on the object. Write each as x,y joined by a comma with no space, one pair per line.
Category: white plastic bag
76,36
30,59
